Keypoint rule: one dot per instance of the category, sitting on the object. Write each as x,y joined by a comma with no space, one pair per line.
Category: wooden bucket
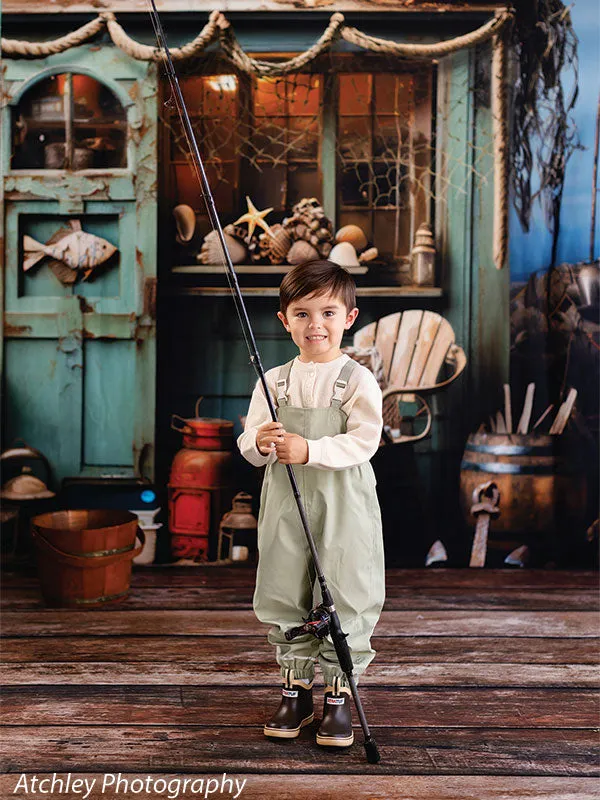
84,557
541,491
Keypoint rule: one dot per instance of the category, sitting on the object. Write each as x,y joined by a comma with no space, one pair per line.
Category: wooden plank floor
485,686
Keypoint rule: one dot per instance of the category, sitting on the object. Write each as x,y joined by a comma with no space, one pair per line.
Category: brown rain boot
295,710
336,726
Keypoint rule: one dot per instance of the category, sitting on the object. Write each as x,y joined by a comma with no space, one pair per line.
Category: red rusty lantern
200,484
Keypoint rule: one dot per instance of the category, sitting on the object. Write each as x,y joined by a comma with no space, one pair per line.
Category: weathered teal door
79,154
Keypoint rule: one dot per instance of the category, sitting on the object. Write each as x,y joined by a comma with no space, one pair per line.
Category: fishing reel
316,623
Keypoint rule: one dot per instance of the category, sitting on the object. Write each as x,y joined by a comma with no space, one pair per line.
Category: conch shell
344,254
301,251
276,245
212,253
353,234
185,221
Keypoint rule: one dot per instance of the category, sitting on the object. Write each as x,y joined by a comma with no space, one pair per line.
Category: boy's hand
267,436
292,450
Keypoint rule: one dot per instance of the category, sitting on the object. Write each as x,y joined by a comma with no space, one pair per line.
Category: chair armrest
389,394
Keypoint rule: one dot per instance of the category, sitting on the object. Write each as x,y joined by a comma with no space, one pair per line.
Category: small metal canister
239,527
423,257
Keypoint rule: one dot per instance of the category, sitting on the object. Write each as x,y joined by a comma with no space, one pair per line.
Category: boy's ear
350,319
283,320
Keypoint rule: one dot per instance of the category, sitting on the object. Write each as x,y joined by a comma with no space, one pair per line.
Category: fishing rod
323,619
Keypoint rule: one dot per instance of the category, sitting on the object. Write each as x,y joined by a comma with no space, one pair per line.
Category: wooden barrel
84,557
541,489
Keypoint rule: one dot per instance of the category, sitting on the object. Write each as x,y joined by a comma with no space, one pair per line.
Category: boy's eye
329,313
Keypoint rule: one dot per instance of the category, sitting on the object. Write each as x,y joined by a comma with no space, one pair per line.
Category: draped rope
16,47
219,28
436,50
499,91
253,66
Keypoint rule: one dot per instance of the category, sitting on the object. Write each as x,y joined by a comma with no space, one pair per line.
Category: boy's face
317,325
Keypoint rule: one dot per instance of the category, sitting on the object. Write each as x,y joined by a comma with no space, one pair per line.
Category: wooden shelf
53,124
254,269
273,291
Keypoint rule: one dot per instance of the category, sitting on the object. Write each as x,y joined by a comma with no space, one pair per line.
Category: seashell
185,222
354,235
344,254
212,253
237,231
276,246
301,251
368,255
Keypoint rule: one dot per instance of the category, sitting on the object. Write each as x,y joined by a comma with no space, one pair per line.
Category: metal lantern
239,528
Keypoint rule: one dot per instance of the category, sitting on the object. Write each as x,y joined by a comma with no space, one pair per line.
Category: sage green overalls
345,520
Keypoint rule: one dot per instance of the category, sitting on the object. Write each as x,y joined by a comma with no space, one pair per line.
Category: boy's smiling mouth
316,338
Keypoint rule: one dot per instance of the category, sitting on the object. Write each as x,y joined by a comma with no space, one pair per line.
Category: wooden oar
523,425
507,408
564,413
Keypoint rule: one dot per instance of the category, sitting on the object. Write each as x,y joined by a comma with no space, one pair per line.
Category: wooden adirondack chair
419,357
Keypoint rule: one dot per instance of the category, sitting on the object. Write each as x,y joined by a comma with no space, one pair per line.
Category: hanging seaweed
544,133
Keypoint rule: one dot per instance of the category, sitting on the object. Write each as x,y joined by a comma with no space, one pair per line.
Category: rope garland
219,28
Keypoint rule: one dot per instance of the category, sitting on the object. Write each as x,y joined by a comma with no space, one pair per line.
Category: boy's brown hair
317,277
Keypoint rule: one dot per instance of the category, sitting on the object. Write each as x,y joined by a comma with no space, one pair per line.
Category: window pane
393,93
269,138
99,125
389,136
192,90
390,185
304,95
220,96
185,187
303,181
355,94
219,140
354,137
355,185
303,138
39,126
267,188
269,97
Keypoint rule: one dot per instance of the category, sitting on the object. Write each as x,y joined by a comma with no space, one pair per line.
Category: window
69,121
270,139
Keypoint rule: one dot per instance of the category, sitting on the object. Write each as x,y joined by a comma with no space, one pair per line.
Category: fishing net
358,129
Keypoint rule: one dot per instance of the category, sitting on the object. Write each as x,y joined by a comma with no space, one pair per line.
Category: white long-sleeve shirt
311,386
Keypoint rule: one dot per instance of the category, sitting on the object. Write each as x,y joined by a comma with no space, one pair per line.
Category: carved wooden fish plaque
77,250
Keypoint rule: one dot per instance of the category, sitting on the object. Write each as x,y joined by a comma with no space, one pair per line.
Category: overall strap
282,383
341,383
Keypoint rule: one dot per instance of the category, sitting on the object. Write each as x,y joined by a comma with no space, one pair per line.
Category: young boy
330,421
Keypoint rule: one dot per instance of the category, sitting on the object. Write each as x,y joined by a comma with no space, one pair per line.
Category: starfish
254,217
